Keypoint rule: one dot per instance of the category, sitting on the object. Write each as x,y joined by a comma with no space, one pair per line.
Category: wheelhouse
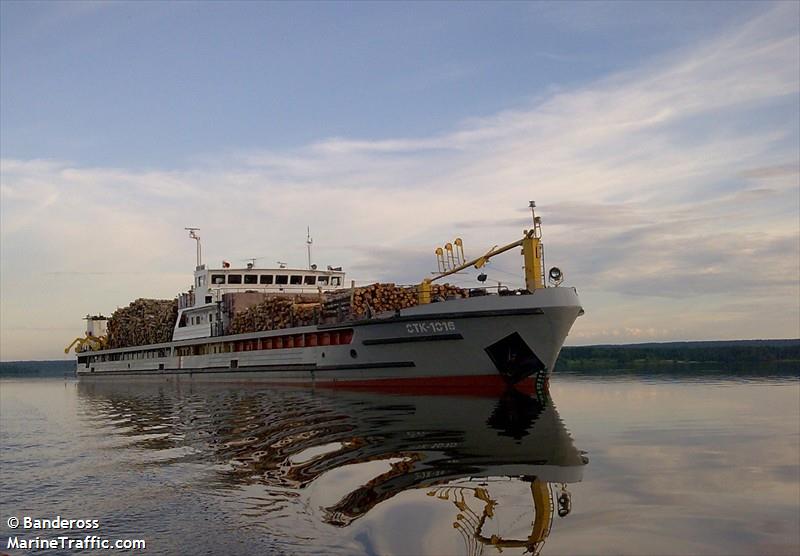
199,310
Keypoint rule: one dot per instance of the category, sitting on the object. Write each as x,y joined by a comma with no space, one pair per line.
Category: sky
660,141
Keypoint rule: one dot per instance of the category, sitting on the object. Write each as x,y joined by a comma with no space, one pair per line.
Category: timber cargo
308,326
144,321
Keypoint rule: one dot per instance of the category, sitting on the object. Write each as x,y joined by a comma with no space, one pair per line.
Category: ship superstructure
201,313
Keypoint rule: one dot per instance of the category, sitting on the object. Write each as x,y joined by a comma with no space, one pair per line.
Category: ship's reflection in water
375,472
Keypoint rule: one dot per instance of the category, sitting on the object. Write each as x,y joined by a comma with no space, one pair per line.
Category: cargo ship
306,326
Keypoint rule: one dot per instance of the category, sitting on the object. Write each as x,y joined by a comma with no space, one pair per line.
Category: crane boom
478,262
532,254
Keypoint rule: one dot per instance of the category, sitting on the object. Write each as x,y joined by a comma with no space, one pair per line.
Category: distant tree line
42,369
679,353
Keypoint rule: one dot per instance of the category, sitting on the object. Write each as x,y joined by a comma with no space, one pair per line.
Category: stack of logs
275,313
441,292
151,321
378,298
144,321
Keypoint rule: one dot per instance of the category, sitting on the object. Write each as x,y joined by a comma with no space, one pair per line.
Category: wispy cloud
663,182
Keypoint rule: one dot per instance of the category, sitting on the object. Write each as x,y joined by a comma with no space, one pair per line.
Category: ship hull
449,344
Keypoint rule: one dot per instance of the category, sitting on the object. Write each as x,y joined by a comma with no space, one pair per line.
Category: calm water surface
604,465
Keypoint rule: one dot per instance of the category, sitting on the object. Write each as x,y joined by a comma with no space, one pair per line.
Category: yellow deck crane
96,337
87,343
532,253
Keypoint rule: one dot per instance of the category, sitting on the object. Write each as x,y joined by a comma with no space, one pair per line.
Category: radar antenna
195,236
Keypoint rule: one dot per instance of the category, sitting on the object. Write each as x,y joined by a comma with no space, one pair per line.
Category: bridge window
336,281
234,278
217,278
281,279
266,278
322,280
309,280
296,280
251,278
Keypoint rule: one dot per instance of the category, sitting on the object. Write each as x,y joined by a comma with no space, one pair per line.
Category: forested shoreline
731,354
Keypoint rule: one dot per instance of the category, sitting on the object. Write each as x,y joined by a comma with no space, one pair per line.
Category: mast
195,236
533,253
309,241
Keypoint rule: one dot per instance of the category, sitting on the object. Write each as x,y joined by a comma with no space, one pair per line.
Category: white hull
448,341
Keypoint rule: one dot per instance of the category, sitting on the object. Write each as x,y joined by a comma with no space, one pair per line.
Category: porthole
353,353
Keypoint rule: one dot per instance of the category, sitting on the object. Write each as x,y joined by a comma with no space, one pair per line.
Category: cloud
778,170
664,182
